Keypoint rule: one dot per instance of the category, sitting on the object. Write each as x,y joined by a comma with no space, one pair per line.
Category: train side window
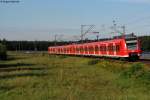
65,50
91,49
114,48
77,49
117,48
104,48
86,49
58,50
101,48
96,48
81,49
69,49
73,49
111,47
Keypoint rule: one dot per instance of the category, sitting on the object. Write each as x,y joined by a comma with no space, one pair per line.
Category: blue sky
42,19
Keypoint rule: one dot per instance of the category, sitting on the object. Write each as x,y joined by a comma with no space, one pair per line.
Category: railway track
145,61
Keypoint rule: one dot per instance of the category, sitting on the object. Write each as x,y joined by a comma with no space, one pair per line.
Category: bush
93,62
3,52
136,71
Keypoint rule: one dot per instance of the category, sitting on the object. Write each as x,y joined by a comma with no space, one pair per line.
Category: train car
127,46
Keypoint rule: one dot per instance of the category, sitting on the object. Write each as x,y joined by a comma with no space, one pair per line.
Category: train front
133,47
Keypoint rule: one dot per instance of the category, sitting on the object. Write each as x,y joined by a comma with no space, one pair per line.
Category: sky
43,19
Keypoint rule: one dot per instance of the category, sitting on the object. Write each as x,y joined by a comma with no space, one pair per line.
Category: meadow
40,76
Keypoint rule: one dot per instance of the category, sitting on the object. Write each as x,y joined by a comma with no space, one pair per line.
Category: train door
60,50
73,49
64,49
91,49
70,49
57,50
123,48
96,49
110,49
81,50
85,49
103,49
77,50
118,45
53,50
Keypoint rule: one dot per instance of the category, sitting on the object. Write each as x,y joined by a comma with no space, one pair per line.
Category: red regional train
127,47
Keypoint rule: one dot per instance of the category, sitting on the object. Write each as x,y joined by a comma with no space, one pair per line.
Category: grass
43,77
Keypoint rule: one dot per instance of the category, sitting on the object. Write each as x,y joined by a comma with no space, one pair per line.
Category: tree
3,52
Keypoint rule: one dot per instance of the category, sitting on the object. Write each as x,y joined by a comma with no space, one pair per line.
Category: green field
42,77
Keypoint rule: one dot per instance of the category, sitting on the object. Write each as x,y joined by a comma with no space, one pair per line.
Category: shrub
63,56
93,62
136,70
3,52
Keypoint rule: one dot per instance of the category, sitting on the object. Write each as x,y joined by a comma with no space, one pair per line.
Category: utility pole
87,31
35,45
55,39
117,31
97,35
123,30
114,26
82,32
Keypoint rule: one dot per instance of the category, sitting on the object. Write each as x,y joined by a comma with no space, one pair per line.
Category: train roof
106,41
115,39
127,36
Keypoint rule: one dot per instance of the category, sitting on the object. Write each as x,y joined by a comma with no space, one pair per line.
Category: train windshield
132,46
131,42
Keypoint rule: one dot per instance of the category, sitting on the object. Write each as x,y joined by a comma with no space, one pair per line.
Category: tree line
145,43
43,45
3,52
